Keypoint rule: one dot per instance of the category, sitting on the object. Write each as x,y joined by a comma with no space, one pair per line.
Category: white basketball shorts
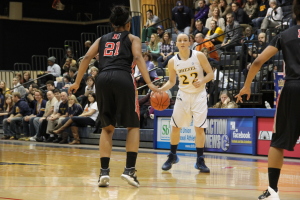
190,106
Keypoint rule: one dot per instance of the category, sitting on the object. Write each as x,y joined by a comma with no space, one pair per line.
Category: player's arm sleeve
276,42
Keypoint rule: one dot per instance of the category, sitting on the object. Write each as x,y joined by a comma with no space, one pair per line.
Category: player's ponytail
296,9
119,16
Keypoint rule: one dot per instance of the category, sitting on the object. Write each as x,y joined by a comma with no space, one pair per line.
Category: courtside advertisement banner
232,135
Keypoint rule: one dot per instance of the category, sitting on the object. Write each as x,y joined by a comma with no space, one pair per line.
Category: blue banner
226,134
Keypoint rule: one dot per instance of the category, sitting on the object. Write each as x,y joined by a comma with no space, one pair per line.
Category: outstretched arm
255,67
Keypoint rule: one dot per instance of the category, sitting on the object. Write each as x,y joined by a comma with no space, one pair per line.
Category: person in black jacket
39,105
73,75
12,123
239,14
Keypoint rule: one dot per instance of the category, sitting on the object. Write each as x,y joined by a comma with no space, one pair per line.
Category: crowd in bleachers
42,111
219,27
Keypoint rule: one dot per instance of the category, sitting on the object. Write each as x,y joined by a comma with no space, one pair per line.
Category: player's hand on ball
153,87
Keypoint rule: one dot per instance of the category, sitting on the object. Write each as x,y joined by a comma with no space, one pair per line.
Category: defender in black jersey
116,94
287,126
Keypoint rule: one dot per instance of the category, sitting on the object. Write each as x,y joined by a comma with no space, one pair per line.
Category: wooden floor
40,171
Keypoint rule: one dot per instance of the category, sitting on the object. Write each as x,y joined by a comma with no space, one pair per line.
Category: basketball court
42,171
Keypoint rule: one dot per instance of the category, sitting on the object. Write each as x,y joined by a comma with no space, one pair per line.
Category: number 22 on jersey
111,48
184,77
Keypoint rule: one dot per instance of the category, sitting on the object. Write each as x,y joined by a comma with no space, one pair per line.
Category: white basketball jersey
187,71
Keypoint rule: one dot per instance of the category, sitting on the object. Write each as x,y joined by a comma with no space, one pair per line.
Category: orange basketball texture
160,101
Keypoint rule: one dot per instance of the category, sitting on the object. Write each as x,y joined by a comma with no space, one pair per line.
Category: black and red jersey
115,51
289,42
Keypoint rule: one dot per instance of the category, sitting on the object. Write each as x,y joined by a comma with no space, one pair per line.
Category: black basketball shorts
287,125
117,99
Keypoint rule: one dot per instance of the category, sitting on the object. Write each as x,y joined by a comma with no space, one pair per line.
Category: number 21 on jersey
111,49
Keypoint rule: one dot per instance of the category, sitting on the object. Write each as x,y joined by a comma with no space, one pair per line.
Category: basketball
160,101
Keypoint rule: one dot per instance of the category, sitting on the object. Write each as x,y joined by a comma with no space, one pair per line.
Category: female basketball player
191,98
115,90
286,126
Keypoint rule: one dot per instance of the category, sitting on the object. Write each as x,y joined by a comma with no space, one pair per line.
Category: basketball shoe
173,159
103,178
129,175
269,194
200,164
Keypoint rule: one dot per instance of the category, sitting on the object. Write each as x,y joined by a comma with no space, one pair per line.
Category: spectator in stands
2,99
248,35
148,27
27,79
224,9
215,33
7,107
94,72
40,123
19,75
215,85
213,62
90,88
38,111
192,41
68,54
11,125
73,74
67,82
251,9
255,51
239,14
59,114
87,45
214,4
166,50
53,71
5,90
160,31
273,13
202,11
29,97
70,62
53,68
225,101
74,109
262,12
233,33
200,28
50,85
138,77
96,63
88,117
216,17
182,18
197,40
154,46
207,44
18,87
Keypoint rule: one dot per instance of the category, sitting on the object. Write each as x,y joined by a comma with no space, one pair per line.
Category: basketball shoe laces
265,194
